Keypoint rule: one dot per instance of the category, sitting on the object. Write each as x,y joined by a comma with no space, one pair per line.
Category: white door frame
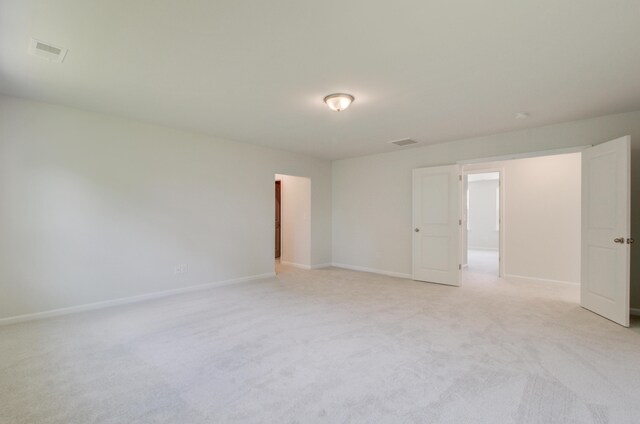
480,169
551,152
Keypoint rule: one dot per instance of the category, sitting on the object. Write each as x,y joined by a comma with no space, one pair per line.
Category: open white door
436,214
606,230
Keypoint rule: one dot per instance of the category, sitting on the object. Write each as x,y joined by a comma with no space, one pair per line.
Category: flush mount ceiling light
339,101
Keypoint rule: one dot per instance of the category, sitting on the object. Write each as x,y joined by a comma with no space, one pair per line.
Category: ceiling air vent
403,142
47,51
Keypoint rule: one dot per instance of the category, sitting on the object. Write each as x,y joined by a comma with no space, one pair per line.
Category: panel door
436,225
606,230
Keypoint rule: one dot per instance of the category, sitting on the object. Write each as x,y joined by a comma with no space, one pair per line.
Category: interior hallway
327,346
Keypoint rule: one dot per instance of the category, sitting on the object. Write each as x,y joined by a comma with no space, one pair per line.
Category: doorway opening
292,241
522,220
482,222
565,219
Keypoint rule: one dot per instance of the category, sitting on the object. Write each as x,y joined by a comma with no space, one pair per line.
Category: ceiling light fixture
339,101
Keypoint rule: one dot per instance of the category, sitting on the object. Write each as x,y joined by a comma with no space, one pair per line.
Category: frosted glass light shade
339,101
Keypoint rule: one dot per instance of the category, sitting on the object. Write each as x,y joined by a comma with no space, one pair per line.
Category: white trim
551,152
523,279
126,300
295,265
302,266
634,311
486,249
483,168
372,270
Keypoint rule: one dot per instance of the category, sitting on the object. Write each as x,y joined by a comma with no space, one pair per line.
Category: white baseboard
126,300
295,265
302,266
523,279
634,311
373,270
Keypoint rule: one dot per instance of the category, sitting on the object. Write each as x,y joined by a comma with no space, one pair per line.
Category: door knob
417,230
619,240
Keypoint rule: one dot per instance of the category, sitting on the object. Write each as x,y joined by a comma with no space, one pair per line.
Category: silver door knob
619,240
417,230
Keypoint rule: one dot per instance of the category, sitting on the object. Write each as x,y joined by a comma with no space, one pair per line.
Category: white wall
372,194
95,207
295,200
541,217
483,232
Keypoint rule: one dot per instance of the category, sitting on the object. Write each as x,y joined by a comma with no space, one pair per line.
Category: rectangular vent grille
47,51
403,142
47,48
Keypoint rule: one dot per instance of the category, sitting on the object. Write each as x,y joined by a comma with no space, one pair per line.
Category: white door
436,215
606,230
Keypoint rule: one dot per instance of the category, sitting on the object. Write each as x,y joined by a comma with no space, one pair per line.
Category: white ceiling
256,71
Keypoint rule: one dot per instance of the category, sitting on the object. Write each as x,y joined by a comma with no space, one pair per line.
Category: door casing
479,169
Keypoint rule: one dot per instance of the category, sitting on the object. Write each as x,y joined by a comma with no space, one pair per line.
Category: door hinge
459,222
459,266
459,177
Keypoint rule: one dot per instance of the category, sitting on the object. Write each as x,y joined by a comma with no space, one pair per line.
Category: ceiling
256,71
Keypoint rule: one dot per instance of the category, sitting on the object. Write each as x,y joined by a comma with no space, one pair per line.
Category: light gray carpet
483,261
327,346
